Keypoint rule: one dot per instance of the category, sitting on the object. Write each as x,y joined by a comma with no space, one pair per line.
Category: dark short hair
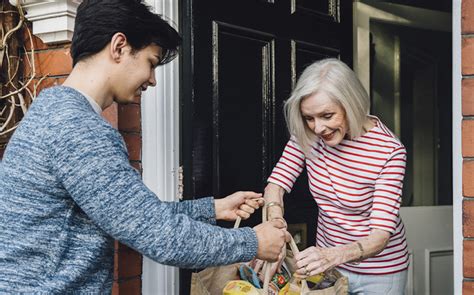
98,20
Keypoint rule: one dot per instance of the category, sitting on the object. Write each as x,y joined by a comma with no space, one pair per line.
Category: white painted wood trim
457,151
160,123
52,21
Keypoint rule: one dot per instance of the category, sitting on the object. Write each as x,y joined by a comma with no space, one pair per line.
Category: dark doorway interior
411,92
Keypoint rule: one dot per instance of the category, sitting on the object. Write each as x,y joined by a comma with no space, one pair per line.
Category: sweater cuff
205,209
249,244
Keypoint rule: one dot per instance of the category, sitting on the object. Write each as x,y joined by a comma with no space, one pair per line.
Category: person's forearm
368,247
274,194
154,229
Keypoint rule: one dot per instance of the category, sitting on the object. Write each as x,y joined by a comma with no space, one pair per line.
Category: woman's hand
315,260
241,204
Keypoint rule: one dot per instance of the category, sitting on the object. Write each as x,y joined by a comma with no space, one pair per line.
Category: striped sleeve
388,190
289,167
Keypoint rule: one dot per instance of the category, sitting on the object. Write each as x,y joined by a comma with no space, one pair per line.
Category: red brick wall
55,62
467,67
128,263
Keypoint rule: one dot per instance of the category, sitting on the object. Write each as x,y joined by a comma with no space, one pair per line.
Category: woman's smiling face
325,117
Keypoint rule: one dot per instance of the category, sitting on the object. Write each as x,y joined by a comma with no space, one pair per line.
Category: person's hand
257,264
272,238
315,260
241,204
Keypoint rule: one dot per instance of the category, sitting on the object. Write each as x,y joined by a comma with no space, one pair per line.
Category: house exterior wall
467,88
54,61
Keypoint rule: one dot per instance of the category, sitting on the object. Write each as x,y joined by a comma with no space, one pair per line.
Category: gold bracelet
268,205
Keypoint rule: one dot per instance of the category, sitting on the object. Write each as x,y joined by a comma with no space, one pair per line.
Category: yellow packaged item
239,288
293,287
316,279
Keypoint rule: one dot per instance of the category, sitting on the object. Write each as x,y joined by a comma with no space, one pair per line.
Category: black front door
240,61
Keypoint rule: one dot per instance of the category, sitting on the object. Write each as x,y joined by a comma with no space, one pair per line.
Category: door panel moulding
430,254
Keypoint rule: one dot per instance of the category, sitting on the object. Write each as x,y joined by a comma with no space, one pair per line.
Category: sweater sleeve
289,167
201,209
388,191
91,162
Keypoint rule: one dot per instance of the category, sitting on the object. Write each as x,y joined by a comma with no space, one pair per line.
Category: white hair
335,79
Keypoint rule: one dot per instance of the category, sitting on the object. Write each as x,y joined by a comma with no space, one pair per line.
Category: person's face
137,72
326,118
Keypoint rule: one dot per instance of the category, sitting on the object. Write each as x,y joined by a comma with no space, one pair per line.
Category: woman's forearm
274,194
366,247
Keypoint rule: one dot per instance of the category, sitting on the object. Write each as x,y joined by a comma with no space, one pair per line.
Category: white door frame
160,149
457,150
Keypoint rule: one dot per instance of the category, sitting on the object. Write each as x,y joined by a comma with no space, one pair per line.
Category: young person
67,188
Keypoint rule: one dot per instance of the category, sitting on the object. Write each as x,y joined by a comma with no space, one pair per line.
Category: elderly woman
355,167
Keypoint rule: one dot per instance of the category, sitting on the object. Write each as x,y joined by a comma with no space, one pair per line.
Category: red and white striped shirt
357,186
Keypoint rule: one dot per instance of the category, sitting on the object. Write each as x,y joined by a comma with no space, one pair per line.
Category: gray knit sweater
67,190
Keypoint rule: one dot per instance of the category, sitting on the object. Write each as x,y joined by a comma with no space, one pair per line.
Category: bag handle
268,265
237,222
